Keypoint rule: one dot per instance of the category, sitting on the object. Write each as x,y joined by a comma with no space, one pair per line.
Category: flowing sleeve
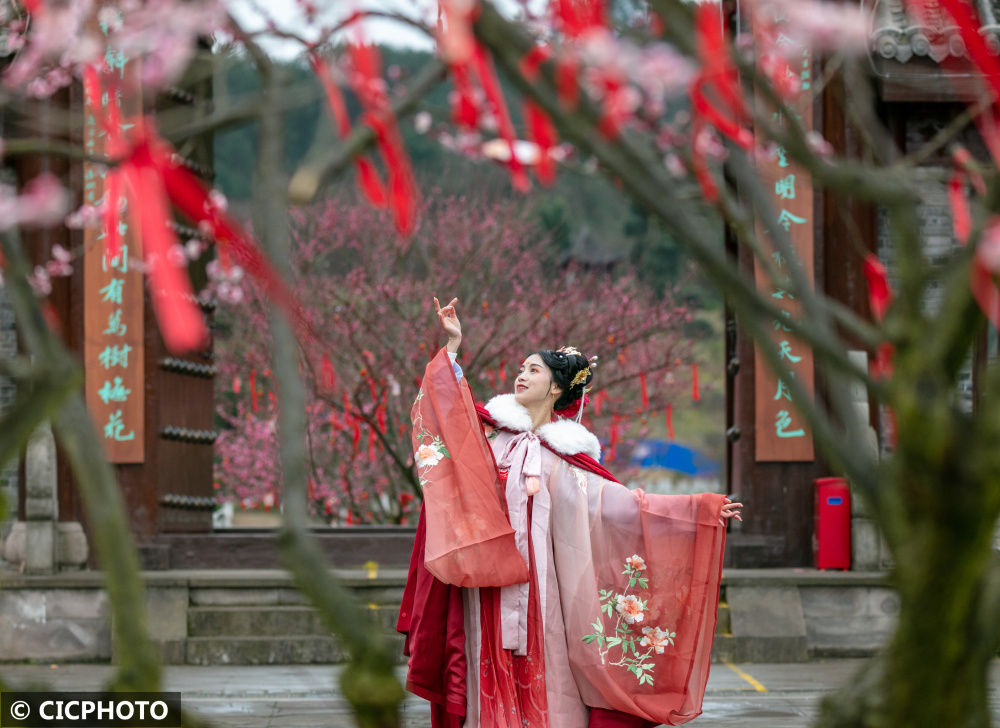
640,591
469,541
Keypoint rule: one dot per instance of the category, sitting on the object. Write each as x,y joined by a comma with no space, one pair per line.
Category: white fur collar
564,436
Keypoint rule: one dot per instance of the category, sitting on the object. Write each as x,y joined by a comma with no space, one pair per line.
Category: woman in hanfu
542,593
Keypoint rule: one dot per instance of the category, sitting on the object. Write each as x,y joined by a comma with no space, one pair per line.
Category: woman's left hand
731,509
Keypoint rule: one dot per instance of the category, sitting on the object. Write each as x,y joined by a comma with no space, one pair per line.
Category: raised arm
450,323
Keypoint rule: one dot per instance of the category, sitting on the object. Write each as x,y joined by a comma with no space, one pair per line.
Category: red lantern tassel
645,394
960,215
879,292
695,394
670,421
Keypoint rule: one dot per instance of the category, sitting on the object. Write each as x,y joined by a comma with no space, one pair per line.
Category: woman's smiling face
534,382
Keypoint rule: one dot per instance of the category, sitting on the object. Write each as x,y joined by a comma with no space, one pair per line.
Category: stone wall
8,473
258,617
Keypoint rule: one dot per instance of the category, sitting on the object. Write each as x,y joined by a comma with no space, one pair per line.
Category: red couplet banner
113,295
781,433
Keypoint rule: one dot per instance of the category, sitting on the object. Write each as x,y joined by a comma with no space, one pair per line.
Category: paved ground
305,696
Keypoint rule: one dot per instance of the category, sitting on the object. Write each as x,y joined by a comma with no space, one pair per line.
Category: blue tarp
664,454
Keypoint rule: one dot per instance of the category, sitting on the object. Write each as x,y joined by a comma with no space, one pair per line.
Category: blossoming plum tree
368,295
596,80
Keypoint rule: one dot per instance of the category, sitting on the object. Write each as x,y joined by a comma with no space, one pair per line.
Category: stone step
284,650
723,625
271,620
287,650
253,621
729,648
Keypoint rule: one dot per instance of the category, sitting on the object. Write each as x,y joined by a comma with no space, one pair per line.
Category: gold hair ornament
581,377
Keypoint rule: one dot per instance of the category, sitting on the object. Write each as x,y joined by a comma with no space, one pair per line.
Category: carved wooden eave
925,59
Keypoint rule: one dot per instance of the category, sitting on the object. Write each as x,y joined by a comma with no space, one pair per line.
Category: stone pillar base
30,542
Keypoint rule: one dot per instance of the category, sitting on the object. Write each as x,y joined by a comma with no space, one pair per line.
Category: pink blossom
218,199
656,638
110,18
988,250
44,202
40,281
193,248
636,562
675,166
630,607
59,266
61,254
177,255
818,144
427,456
52,33
820,26
708,144
422,122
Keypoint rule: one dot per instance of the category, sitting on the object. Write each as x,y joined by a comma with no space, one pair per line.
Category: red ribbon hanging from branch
498,106
181,322
879,298
369,87
879,291
541,130
695,391
670,421
577,17
717,77
368,180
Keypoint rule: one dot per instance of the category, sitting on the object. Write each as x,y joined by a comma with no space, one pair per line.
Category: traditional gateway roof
898,36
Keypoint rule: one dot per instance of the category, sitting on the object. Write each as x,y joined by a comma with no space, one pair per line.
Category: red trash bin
832,527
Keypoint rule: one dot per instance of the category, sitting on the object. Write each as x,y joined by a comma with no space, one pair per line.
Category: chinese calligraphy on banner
113,298
781,433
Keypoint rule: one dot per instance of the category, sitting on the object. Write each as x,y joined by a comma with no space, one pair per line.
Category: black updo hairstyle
564,368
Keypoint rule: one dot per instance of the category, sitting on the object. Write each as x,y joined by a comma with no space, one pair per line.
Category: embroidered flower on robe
428,456
630,607
656,638
636,562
